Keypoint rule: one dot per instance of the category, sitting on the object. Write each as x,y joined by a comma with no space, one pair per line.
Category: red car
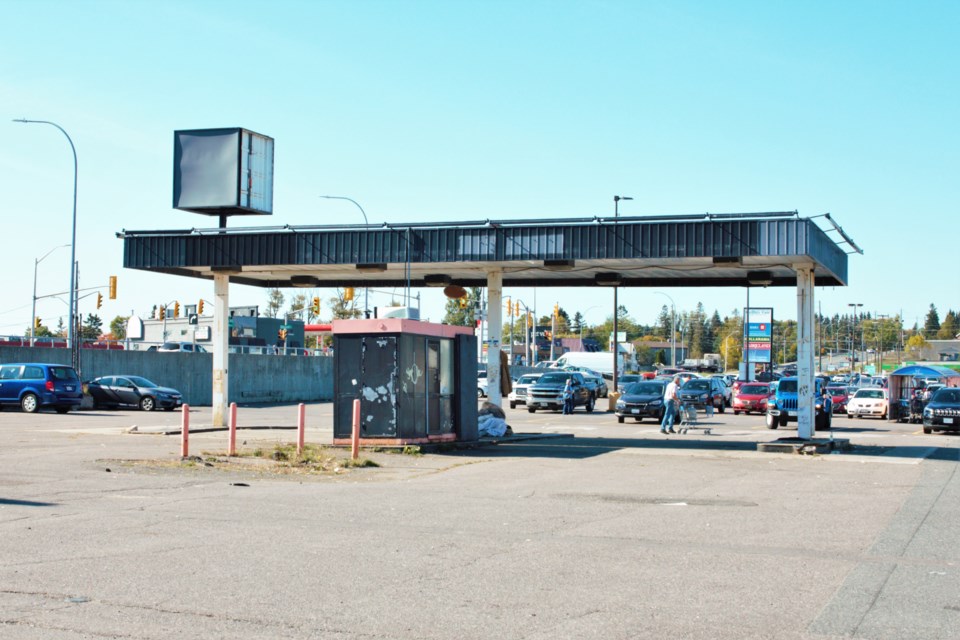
751,396
838,395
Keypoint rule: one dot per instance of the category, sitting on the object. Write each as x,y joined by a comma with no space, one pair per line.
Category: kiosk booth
416,381
903,382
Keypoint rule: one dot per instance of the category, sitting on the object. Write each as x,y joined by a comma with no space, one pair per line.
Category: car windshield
755,390
836,389
555,378
645,389
869,393
141,382
528,379
697,385
951,396
790,386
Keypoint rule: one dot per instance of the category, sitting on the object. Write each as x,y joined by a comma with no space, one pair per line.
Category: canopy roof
764,249
926,371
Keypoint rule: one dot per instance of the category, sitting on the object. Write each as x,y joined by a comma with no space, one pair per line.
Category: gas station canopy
714,250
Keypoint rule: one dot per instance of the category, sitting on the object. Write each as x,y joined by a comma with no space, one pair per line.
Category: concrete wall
253,378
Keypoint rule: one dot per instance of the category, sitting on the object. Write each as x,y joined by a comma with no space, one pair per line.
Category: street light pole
366,290
616,305
33,309
853,335
73,243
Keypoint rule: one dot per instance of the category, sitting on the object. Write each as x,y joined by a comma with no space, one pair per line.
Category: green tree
274,302
39,332
464,314
931,324
577,323
91,328
664,322
915,345
948,328
118,327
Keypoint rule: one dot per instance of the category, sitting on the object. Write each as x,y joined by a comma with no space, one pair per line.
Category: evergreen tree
91,328
118,327
948,328
664,322
577,324
932,323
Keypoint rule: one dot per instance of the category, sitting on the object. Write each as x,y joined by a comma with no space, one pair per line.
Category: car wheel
29,403
927,430
772,422
147,403
532,409
735,412
722,407
479,393
783,421
513,405
589,406
620,419
850,416
639,419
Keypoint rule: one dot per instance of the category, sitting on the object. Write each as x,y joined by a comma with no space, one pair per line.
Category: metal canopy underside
712,250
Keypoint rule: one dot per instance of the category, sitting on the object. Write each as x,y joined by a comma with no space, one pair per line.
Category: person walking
568,397
670,402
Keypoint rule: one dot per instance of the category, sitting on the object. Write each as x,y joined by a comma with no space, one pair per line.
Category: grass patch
283,459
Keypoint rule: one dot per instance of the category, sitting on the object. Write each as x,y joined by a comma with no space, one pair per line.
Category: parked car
519,393
596,383
627,379
727,391
868,402
838,396
942,413
701,392
641,400
782,407
38,385
686,376
134,391
751,397
188,347
481,384
546,393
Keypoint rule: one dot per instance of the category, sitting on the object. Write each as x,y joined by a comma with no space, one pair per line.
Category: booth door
433,387
378,413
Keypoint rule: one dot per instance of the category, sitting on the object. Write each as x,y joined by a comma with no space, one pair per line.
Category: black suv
547,392
942,413
701,392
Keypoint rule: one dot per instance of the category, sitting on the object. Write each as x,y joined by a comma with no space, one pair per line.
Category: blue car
36,385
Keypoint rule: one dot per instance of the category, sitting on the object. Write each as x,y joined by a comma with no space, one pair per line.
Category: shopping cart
688,419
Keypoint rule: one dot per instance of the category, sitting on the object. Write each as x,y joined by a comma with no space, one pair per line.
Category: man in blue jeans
670,405
567,398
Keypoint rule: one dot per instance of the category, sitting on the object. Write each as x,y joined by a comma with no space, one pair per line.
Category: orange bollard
301,426
355,439
232,445
185,431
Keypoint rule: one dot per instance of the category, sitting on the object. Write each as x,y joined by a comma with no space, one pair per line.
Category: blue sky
426,111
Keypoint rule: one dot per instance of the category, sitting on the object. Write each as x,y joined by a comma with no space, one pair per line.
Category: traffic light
163,313
516,309
99,300
463,303
36,322
282,334
548,334
348,294
113,287
200,307
316,305
508,304
176,309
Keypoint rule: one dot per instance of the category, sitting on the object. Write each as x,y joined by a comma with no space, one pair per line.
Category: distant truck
601,362
709,362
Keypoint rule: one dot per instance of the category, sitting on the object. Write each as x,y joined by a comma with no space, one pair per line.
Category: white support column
494,333
221,342
806,413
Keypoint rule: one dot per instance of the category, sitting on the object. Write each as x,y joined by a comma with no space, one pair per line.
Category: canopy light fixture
558,265
608,279
760,278
304,281
436,280
372,267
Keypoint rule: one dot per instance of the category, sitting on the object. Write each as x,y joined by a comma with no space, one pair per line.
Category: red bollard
301,426
355,439
232,445
185,431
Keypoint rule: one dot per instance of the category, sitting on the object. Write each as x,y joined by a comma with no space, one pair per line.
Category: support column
494,335
221,342
806,412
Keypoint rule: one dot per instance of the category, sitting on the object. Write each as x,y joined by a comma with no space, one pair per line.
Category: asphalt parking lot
602,530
